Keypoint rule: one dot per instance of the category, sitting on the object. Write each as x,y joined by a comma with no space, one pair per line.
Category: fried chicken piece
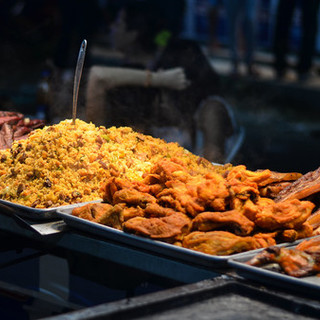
170,228
218,243
114,184
213,191
91,211
290,214
242,183
290,235
264,240
132,212
305,186
293,262
194,195
232,220
166,170
154,210
133,197
103,213
181,197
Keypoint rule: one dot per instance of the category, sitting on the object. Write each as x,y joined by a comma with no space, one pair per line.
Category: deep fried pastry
169,229
218,243
232,220
290,214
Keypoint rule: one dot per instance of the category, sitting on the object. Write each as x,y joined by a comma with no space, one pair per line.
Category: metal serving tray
11,208
310,284
158,247
219,298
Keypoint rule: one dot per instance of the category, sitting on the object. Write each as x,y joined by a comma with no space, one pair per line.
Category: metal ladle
77,78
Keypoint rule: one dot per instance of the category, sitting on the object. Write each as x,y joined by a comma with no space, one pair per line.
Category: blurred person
309,24
241,18
152,49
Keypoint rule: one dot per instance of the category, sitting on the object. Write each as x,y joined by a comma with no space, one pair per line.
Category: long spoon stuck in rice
77,78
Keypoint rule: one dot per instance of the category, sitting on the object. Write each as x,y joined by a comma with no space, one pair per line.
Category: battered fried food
186,192
218,243
231,220
170,228
284,215
103,213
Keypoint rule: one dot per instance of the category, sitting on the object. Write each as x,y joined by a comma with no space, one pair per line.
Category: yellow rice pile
65,163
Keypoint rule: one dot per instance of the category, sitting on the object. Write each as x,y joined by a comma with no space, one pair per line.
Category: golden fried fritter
218,242
170,228
103,213
290,214
232,220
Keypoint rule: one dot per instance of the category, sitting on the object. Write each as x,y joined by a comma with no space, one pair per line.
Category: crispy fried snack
232,220
218,242
170,228
185,192
103,213
284,215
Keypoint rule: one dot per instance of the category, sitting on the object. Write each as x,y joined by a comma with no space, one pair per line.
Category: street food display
158,190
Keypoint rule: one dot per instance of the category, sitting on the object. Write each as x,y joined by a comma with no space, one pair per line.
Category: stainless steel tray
154,246
12,208
310,284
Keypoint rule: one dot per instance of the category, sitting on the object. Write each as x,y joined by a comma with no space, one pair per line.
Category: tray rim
35,213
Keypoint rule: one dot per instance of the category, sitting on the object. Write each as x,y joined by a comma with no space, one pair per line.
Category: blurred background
252,69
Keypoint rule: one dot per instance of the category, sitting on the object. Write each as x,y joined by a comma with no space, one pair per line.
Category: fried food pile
304,260
218,213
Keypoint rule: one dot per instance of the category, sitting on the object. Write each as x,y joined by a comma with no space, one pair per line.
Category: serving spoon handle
77,78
